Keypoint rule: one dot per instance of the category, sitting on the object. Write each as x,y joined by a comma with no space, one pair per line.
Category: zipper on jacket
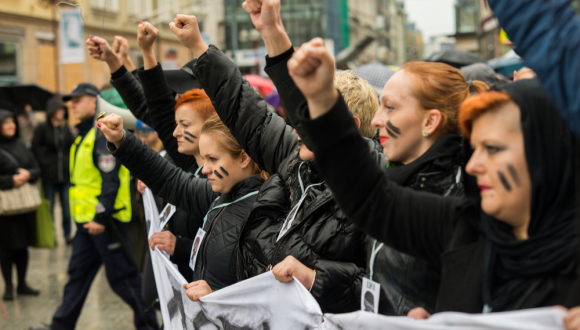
206,241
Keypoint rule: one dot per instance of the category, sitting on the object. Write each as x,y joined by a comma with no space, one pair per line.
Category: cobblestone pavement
47,272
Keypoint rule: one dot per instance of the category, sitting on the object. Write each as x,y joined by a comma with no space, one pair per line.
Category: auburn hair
215,128
477,105
199,101
442,87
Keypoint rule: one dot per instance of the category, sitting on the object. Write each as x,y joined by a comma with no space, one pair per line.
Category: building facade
29,37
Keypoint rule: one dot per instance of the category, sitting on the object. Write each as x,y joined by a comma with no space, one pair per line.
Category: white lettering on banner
549,318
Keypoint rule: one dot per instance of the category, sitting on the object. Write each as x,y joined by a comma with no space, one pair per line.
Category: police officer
100,204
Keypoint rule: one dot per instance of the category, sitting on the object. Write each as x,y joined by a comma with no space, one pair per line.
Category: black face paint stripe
188,139
514,175
391,133
224,170
217,174
504,181
394,128
187,133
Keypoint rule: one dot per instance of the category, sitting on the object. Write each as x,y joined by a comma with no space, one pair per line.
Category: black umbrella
455,58
25,94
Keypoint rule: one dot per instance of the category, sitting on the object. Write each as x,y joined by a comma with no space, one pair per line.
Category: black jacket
445,231
154,94
320,237
51,147
216,260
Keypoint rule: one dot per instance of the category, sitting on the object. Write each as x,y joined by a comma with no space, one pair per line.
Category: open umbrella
26,94
456,58
264,86
507,64
376,74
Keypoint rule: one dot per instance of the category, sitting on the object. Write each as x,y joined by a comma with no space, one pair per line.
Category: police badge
107,163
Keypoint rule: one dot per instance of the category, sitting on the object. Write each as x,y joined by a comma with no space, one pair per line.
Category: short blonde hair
361,99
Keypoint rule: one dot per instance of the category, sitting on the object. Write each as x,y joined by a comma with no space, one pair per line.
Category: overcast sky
432,17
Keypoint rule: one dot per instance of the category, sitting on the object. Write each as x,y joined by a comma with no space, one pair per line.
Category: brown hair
442,87
361,99
223,136
475,106
199,101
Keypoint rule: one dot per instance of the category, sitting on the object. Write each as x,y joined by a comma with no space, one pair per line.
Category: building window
8,62
111,6
466,13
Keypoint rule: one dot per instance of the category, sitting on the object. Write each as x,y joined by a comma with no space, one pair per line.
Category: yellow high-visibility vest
86,183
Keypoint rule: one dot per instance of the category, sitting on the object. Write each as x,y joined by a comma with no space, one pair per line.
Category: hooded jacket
453,233
51,147
216,259
320,236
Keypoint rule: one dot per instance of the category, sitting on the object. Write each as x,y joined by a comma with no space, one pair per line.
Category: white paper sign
195,247
549,318
71,38
166,215
369,300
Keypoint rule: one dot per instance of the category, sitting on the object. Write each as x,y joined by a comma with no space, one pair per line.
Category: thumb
174,28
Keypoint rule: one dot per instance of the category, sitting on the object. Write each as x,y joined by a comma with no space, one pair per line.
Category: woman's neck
198,159
425,145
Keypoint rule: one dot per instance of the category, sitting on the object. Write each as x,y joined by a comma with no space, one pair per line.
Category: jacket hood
549,150
54,104
481,72
3,115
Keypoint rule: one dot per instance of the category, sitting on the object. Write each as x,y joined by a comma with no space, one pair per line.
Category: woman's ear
433,119
357,121
246,160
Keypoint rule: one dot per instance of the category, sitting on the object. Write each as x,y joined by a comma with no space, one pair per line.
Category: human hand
112,127
312,69
187,31
121,47
572,319
141,186
94,228
24,173
146,35
197,289
100,49
19,180
418,313
291,267
265,14
165,241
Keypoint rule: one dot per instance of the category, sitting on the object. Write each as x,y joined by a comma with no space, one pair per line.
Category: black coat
216,261
155,94
16,231
442,230
51,147
321,237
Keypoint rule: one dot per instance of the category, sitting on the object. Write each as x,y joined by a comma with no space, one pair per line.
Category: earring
425,134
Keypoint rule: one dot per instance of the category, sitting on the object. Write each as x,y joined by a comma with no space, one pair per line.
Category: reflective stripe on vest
86,183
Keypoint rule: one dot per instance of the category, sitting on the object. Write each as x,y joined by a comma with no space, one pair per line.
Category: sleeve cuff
182,250
271,61
117,151
119,73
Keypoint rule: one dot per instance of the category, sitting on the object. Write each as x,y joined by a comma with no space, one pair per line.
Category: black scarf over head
513,267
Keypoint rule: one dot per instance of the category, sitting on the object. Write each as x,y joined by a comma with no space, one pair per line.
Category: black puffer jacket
51,147
320,237
216,260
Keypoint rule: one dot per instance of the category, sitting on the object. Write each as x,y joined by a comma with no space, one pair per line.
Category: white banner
71,37
531,319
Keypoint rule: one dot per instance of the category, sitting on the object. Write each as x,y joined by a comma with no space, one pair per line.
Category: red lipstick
483,188
383,138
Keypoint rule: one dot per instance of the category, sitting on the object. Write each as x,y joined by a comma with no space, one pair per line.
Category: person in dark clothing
222,201
100,202
482,72
17,232
51,147
317,234
510,245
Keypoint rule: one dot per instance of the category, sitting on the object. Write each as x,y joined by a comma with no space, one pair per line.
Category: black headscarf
3,115
512,267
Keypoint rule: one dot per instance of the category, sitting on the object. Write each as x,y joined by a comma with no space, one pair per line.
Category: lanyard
227,204
373,255
197,171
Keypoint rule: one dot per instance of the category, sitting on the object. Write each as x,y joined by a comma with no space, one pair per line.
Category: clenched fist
186,29
291,268
146,35
197,289
112,127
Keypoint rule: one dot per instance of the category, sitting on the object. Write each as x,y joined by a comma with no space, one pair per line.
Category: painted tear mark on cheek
218,174
188,139
504,181
191,135
514,175
393,130
224,170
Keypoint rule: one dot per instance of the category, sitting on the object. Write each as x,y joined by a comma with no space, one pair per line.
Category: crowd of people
448,191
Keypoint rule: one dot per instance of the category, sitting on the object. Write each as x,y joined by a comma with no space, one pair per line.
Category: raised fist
186,29
312,68
146,35
121,47
112,127
100,49
265,14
